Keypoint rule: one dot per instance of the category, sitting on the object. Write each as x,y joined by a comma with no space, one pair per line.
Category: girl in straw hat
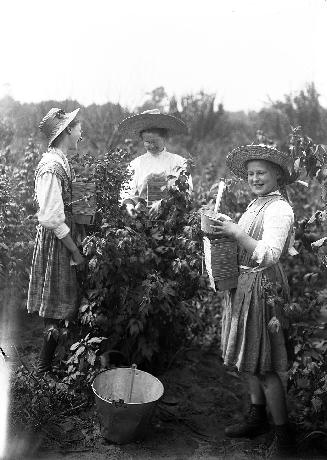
53,285
253,329
150,171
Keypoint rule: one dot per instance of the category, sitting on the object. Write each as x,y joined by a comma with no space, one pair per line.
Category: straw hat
132,126
236,160
54,123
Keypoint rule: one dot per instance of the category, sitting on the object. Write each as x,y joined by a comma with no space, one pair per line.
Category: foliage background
158,265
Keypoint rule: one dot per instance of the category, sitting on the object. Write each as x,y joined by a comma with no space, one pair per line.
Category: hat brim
64,122
237,159
132,126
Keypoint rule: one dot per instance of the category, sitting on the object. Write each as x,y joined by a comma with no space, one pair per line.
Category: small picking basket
156,190
83,202
220,252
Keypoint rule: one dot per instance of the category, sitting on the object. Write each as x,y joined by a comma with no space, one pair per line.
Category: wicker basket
83,202
220,254
221,262
155,190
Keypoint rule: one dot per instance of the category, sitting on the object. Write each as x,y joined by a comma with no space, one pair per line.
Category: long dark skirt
53,291
246,341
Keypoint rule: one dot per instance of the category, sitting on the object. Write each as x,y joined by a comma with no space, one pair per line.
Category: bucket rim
128,403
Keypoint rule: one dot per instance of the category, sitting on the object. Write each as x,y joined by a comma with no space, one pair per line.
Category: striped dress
53,284
247,342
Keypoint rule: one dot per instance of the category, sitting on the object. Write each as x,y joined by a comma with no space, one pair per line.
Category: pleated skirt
247,343
53,291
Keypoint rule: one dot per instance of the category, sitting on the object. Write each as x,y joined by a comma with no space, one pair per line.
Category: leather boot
50,341
255,423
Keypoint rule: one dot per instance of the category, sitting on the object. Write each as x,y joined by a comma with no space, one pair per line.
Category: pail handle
134,367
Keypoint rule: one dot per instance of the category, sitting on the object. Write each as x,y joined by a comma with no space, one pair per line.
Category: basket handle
221,188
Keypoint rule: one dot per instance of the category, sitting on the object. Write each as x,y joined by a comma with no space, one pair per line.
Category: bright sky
244,51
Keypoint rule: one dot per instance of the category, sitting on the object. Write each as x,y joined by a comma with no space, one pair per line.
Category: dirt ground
201,397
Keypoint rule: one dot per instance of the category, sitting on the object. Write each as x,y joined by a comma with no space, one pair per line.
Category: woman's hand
226,228
131,211
155,177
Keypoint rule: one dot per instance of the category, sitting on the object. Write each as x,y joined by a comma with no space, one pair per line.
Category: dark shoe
283,444
256,423
50,341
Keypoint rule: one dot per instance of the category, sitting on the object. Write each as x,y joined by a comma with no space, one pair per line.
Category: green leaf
80,350
95,340
303,383
75,346
84,307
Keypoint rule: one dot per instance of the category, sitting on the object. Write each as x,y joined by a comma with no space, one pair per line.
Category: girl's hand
226,228
274,325
78,258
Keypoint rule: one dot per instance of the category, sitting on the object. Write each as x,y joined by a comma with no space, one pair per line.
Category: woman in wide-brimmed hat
53,285
253,331
151,171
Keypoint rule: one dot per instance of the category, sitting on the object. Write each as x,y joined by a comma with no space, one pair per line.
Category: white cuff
292,251
263,254
61,231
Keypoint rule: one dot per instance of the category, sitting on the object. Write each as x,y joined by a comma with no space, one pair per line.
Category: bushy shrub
17,219
144,284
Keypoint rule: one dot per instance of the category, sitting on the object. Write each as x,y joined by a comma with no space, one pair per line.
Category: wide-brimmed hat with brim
237,159
55,122
132,127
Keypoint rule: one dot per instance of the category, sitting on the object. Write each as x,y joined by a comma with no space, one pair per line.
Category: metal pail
125,400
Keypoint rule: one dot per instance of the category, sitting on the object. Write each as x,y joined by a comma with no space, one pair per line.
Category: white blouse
278,220
165,163
48,191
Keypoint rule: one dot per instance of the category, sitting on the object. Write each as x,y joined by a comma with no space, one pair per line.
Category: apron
53,290
246,341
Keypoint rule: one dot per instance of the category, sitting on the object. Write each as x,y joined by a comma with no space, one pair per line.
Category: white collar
59,152
276,192
159,154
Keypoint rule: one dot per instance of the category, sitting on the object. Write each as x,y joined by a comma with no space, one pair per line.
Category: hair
162,132
60,137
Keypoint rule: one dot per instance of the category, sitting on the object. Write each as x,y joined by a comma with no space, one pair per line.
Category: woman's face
75,135
262,177
153,142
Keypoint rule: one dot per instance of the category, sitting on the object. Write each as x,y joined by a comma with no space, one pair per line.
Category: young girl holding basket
253,334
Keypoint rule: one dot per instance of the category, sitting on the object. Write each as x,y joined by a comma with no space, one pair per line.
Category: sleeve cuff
61,231
260,252
264,255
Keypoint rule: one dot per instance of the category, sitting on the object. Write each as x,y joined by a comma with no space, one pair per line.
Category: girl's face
153,142
262,177
75,135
